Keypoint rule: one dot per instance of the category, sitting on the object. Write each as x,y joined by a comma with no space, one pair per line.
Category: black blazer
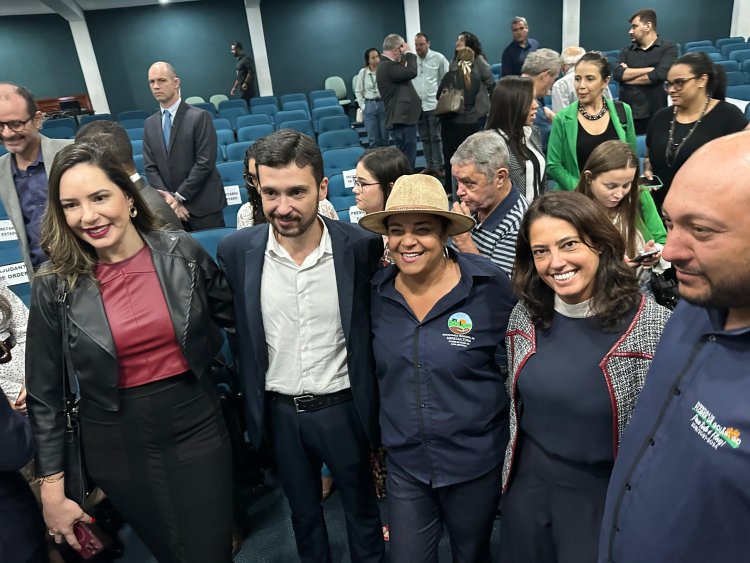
356,255
402,103
157,205
189,167
196,293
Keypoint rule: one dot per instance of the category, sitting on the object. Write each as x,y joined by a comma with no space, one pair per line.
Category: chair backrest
253,119
302,125
325,102
337,84
338,139
231,173
195,100
700,43
254,132
297,97
207,106
319,113
135,134
216,99
729,47
740,92
68,122
264,101
59,133
232,113
138,161
497,70
219,154
209,238
296,105
640,141
328,93
614,89
715,56
137,145
132,123
291,115
728,41
131,114
224,137
222,123
729,65
735,78
745,68
702,49
341,197
233,104
747,111
236,151
338,160
84,119
267,109
740,55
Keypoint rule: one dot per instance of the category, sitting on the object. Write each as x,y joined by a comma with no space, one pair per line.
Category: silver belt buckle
301,397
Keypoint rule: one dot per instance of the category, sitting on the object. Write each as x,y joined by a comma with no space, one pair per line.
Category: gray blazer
9,196
188,167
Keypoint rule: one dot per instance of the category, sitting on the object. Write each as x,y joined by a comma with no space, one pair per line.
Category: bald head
570,56
706,211
164,83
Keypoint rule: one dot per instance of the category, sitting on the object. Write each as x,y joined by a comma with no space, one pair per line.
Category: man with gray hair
516,52
397,68
564,90
480,167
543,67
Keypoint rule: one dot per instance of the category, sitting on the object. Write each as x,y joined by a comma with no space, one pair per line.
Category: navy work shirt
31,186
443,406
515,55
680,489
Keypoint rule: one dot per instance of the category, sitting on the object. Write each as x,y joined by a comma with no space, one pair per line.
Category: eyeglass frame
250,178
21,127
679,83
363,185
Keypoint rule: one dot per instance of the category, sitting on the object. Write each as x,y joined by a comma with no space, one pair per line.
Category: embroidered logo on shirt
459,323
714,434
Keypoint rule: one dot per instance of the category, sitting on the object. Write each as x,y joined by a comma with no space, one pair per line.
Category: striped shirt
496,236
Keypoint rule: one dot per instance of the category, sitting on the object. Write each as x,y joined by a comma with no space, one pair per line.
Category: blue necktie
166,127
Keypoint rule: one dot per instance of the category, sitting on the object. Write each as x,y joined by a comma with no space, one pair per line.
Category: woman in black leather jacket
140,307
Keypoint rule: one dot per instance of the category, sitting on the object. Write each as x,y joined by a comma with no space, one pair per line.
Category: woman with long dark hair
512,112
580,342
698,115
135,312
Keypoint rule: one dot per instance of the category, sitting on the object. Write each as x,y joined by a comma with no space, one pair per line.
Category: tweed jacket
624,367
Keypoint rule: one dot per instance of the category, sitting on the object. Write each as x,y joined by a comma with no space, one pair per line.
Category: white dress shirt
300,310
430,72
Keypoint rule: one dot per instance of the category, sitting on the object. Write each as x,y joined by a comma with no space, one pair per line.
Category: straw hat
417,193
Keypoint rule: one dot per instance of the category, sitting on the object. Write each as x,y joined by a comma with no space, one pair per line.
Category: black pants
165,463
212,221
552,510
453,135
641,125
301,442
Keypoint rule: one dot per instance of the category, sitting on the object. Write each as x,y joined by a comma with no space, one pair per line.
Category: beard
298,226
728,293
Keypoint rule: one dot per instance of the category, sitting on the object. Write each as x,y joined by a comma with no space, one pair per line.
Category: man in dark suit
403,106
179,152
302,297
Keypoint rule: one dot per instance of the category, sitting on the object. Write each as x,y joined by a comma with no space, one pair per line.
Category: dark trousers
212,221
417,512
405,138
428,127
552,510
247,94
453,135
301,442
165,463
641,125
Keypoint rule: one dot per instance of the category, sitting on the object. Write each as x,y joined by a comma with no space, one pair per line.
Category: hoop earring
133,212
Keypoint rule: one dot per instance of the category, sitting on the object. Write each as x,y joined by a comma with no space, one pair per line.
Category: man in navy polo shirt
517,50
680,489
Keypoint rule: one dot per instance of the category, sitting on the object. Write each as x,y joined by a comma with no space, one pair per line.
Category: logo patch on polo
460,326
714,434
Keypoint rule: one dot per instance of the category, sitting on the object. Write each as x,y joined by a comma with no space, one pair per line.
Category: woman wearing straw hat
437,319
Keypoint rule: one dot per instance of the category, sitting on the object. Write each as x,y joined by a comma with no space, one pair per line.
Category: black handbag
665,289
76,483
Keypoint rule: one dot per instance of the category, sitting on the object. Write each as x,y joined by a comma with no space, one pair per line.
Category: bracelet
51,478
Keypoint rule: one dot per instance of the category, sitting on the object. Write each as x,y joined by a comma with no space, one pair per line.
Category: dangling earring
133,212
446,254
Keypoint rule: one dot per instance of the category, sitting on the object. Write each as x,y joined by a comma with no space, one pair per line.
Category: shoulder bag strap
621,115
70,387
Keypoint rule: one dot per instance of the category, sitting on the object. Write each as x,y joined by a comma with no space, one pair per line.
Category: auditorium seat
338,140
254,132
336,161
253,119
236,151
302,125
333,123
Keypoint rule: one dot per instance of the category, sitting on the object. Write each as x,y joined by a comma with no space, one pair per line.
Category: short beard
299,231
730,293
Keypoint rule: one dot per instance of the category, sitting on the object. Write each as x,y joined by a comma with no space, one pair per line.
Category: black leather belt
309,402
372,99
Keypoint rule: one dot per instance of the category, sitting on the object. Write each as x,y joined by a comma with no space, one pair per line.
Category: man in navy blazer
179,152
302,298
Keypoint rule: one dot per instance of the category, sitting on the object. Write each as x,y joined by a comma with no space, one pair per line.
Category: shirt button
419,365
427,443
421,405
651,442
627,486
305,349
712,338
677,391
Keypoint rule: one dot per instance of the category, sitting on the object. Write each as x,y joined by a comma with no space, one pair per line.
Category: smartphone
90,538
651,184
643,255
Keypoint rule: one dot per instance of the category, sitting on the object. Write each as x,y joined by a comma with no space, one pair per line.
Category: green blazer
653,226
562,159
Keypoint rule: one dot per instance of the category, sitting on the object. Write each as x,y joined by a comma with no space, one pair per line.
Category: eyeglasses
678,83
250,178
15,126
363,185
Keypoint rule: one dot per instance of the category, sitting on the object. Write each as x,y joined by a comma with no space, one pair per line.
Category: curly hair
615,291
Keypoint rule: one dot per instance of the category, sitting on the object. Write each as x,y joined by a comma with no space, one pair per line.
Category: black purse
665,289
76,483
